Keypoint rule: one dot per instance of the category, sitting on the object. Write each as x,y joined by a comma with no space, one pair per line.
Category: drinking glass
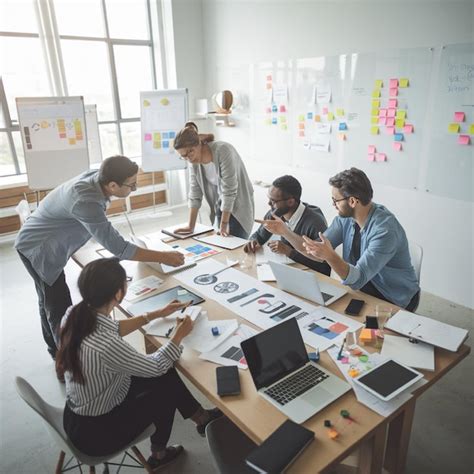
382,313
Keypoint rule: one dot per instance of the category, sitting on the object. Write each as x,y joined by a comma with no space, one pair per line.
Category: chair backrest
23,210
416,255
52,416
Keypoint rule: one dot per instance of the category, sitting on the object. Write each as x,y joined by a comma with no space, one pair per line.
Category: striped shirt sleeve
121,357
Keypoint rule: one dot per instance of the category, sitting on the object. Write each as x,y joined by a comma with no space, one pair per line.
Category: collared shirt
384,256
64,221
295,218
108,363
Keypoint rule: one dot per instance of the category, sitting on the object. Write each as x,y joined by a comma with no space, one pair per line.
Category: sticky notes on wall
376,93
453,128
408,128
403,82
301,118
148,137
464,140
282,108
342,136
301,125
399,123
374,120
390,130
371,157
471,129
398,137
392,103
339,112
371,149
397,146
330,116
390,122
374,130
401,114
393,92
382,112
393,83
317,118
375,112
391,112
325,110
382,120
309,115
343,126
459,117
380,157
378,84
376,103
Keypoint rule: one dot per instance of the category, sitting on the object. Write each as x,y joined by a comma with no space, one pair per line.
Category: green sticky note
378,83
339,112
453,128
282,119
471,129
374,130
374,119
376,93
376,103
330,116
399,123
375,112
401,114
403,82
284,126
301,118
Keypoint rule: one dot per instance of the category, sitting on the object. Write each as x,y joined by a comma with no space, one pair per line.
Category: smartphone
354,307
228,381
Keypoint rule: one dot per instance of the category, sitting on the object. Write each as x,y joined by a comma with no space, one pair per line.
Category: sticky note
282,119
301,133
382,112
375,112
391,112
401,114
453,128
471,129
148,137
380,157
340,112
400,123
397,146
284,126
390,122
376,103
459,116
330,116
317,118
398,137
374,130
371,157
282,108
371,149
269,78
268,110
376,93
378,84
274,121
403,82
374,119
309,115
408,128
325,110
393,92
268,85
274,108
343,126
301,118
342,136
392,103
301,126
393,83
464,140
382,120
390,130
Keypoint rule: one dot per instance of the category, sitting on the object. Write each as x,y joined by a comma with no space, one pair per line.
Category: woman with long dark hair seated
112,391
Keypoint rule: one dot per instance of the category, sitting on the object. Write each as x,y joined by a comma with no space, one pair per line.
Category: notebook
198,229
281,448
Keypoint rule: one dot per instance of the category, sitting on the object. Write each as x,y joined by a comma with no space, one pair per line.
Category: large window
100,49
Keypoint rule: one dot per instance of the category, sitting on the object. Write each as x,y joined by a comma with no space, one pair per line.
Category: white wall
244,32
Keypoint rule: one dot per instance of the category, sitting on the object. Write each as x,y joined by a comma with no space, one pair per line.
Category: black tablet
388,379
159,300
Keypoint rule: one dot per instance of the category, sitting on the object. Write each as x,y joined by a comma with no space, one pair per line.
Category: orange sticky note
342,136
269,85
301,125
397,146
317,118
464,140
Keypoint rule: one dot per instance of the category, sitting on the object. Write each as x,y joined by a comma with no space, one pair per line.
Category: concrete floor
442,437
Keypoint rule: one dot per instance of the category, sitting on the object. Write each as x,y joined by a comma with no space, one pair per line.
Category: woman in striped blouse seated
112,391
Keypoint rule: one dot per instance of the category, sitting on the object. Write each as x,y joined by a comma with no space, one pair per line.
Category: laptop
306,284
284,375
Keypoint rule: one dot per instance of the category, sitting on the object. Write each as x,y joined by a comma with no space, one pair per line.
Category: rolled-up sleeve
334,233
195,191
92,216
229,182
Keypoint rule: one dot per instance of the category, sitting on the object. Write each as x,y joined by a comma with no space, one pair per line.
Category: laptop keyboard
297,384
326,296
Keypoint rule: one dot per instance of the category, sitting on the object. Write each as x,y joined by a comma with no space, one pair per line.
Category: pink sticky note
390,122
382,112
390,130
393,83
380,157
382,120
282,108
148,137
408,128
371,156
325,110
464,140
268,110
269,78
397,146
393,92
392,103
371,149
391,112
459,116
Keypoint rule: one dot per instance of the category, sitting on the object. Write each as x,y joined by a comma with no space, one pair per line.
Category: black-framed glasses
335,201
133,186
276,201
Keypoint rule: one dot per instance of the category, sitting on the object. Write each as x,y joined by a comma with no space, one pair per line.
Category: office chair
229,447
53,419
416,255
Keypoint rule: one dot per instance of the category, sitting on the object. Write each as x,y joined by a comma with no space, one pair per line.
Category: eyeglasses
133,186
276,201
189,152
335,201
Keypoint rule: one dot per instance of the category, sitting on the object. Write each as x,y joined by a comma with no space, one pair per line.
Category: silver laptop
284,376
306,284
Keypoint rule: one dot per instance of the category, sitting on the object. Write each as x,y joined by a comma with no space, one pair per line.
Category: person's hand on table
184,230
181,330
252,246
174,259
224,229
279,247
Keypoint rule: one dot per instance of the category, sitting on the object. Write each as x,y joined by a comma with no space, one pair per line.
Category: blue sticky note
165,144
165,135
343,126
274,108
274,121
172,134
398,137
309,115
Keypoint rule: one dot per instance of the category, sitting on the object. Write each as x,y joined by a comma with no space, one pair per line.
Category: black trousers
370,289
149,400
52,301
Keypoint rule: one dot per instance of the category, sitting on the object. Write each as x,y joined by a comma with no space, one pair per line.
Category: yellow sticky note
471,129
376,103
282,119
340,112
378,83
401,114
403,82
374,119
374,130
284,126
146,103
330,116
301,118
399,123
164,101
375,112
453,128
376,93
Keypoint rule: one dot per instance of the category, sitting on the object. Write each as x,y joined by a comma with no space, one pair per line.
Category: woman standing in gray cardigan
218,173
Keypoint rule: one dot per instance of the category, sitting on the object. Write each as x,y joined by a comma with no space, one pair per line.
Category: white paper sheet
143,288
231,242
265,272
198,229
320,142
201,338
414,354
323,94
162,326
265,255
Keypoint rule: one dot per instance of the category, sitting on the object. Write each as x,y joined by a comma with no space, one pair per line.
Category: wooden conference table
382,442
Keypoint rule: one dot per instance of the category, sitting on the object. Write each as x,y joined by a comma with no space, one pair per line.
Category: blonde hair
190,136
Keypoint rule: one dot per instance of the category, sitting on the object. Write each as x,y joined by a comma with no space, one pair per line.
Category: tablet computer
159,300
388,379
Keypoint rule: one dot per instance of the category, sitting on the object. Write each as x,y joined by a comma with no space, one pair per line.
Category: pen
170,330
339,356
189,304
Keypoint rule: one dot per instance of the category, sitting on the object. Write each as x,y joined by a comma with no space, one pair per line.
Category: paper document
229,243
265,254
198,229
201,337
427,330
141,288
164,326
265,272
415,354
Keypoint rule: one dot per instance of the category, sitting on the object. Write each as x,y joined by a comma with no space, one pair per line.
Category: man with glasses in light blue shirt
63,222
376,259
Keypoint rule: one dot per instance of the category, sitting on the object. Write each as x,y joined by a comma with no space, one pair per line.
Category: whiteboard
54,139
93,136
163,114
450,164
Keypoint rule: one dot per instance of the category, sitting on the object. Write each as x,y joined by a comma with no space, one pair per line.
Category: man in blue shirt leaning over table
63,222
376,259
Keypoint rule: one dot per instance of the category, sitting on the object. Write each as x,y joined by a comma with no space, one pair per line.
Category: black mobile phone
228,381
354,307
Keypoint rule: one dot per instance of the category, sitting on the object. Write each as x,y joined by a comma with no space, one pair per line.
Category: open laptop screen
275,353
